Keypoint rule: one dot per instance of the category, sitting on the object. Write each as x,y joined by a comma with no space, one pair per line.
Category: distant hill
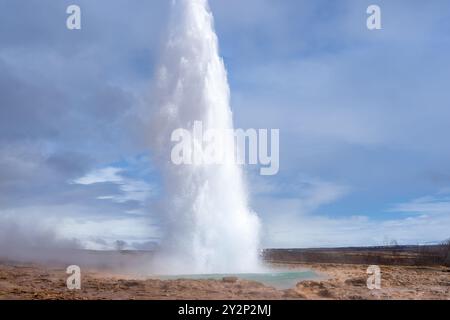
426,255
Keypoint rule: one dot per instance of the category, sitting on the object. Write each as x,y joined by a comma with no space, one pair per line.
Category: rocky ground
338,281
397,282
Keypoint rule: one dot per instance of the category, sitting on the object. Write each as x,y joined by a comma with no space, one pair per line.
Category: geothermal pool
278,278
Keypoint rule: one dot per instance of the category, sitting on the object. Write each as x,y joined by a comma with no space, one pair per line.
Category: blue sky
364,119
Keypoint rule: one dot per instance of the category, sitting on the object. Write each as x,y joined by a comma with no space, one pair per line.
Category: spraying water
209,227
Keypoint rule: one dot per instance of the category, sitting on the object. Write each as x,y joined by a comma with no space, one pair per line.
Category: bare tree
446,252
120,245
393,243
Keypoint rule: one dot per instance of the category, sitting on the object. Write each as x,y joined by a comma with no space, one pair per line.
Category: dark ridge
423,255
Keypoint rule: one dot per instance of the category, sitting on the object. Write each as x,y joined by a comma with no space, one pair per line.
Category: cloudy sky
364,119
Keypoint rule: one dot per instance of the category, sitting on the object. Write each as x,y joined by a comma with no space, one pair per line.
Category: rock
230,279
325,293
130,283
291,293
355,297
310,284
357,282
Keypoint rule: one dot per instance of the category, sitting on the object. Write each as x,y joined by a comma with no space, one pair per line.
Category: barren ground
340,281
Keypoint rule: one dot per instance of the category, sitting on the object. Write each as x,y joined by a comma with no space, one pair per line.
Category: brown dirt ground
338,281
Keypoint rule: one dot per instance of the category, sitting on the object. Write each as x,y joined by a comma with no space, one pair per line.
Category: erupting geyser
209,226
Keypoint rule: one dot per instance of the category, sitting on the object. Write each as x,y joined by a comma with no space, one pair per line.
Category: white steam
209,226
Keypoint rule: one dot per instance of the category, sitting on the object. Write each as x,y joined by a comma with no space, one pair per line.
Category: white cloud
425,205
102,234
55,227
307,194
109,174
129,189
134,190
290,230
294,221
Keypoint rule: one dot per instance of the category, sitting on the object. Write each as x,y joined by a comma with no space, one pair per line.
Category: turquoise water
277,279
